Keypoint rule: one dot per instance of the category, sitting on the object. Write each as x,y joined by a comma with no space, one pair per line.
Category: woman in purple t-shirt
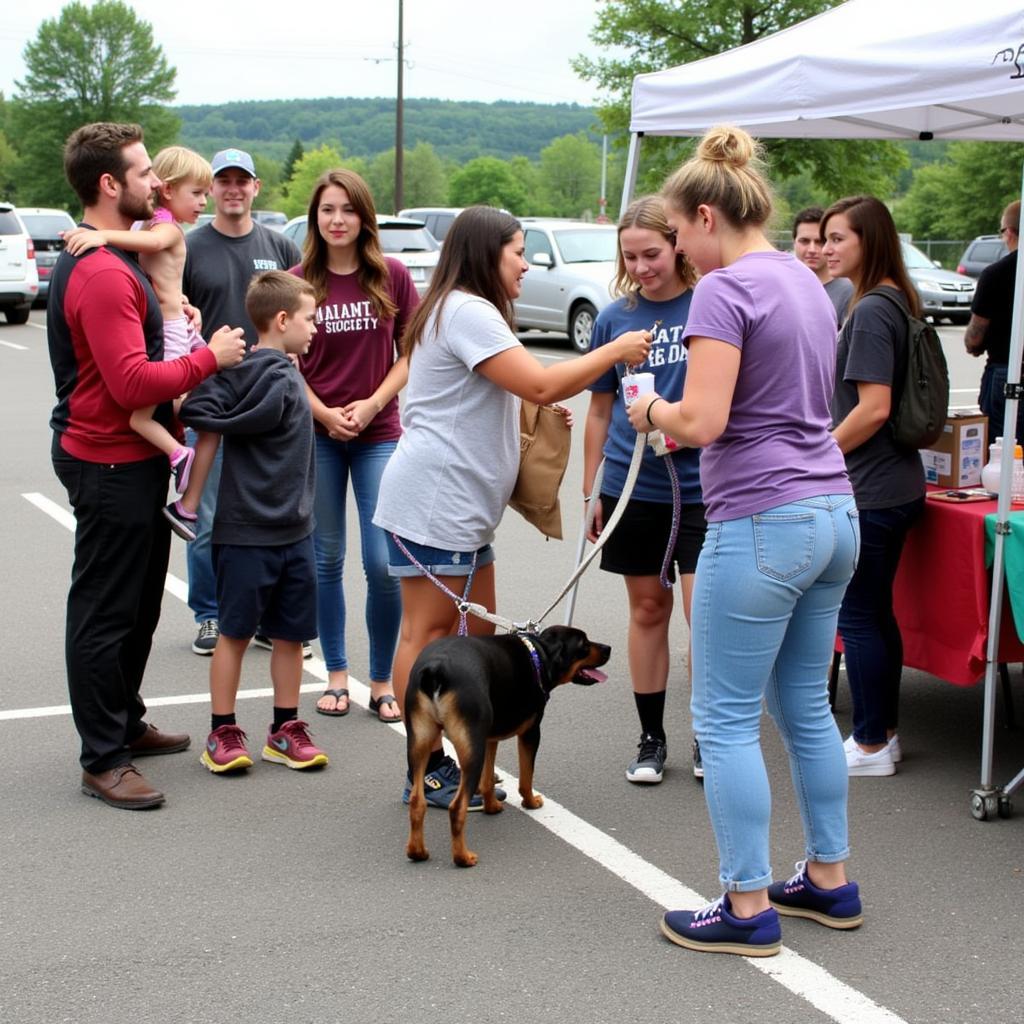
353,377
780,549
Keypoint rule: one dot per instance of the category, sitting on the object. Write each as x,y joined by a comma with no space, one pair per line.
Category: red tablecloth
942,595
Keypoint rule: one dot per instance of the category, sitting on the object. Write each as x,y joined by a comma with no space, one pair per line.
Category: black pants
122,544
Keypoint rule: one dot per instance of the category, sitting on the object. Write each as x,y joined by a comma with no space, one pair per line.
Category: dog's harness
537,668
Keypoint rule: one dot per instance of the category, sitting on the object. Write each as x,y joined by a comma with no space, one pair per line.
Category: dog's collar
538,673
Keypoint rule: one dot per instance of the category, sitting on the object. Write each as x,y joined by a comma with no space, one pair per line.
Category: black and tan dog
480,690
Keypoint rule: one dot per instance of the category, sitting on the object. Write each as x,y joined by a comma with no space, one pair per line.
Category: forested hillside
459,132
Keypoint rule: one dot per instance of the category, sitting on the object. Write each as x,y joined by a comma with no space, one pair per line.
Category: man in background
222,258
809,248
989,327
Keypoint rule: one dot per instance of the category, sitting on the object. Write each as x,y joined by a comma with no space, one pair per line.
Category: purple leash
676,515
462,603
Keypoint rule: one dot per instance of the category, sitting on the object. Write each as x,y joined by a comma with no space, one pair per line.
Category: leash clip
527,628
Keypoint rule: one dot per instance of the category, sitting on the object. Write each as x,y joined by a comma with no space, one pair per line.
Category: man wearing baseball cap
222,257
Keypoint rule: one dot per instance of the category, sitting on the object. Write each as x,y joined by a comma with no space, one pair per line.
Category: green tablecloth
1013,559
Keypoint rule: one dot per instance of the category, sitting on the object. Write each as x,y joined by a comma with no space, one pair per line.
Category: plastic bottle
1017,487
990,471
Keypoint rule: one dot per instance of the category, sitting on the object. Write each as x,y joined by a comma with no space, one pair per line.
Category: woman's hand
633,347
361,412
338,424
82,239
597,524
637,412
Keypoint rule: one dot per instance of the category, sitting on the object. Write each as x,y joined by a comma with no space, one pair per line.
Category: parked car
406,240
270,218
46,229
982,251
572,264
943,293
19,278
436,219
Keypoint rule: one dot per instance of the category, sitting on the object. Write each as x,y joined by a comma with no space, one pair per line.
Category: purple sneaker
800,897
714,929
181,467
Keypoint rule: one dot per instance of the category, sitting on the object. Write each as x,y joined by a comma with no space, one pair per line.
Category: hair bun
725,143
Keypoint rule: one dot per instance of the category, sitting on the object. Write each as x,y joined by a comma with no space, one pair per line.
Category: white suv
19,279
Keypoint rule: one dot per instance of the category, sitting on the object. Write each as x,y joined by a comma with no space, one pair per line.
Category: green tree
964,197
425,182
97,63
294,156
308,169
657,34
570,175
488,181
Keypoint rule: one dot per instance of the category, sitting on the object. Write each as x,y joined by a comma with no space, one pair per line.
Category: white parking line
10,344
801,976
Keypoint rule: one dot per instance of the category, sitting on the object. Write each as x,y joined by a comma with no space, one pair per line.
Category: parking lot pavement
287,894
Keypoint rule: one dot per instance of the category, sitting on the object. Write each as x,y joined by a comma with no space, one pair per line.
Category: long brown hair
881,255
647,212
470,261
372,275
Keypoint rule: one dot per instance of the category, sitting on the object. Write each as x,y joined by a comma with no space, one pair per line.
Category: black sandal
376,703
337,695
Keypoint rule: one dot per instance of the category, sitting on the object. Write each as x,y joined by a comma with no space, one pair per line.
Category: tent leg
632,164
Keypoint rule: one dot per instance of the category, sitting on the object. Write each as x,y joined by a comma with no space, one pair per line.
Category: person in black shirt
989,327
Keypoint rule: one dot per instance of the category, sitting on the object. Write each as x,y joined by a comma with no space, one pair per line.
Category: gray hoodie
269,474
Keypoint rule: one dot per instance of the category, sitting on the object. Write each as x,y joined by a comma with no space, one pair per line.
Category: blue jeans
765,601
992,401
202,584
335,462
867,622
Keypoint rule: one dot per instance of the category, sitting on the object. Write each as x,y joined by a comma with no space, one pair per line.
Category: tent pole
632,163
1002,524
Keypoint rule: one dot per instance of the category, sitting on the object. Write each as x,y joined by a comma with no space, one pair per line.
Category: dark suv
985,249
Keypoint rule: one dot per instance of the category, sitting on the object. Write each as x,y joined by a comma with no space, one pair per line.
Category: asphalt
287,896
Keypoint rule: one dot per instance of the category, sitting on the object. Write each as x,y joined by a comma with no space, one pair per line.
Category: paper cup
636,384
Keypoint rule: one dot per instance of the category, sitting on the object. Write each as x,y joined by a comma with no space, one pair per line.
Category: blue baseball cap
233,158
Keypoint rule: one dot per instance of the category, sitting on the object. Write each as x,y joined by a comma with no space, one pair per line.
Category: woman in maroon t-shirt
353,376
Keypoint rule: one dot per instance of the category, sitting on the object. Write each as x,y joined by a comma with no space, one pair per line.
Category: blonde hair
176,164
647,212
273,292
726,172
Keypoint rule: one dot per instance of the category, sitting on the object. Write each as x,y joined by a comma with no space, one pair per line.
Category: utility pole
399,127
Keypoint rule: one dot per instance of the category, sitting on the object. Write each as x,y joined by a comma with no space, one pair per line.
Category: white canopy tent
872,69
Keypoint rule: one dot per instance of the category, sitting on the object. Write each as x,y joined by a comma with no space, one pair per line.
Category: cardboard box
958,455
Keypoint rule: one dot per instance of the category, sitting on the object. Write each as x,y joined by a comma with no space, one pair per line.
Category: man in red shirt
105,334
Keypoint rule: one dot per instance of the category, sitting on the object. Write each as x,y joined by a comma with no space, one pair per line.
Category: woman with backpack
861,244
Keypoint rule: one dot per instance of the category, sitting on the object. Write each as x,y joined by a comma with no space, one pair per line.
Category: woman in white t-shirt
447,484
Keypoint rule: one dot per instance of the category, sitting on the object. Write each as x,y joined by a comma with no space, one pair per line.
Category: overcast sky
455,49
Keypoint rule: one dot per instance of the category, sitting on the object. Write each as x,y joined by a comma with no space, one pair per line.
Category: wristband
650,407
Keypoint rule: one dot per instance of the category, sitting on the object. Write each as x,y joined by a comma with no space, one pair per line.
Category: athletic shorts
437,561
273,588
638,544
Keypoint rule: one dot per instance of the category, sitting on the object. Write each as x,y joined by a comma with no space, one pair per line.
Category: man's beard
133,208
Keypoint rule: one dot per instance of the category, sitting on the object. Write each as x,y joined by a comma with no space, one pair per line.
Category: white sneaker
859,762
894,746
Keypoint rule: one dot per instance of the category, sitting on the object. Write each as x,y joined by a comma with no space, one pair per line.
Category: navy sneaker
714,929
441,785
800,897
649,764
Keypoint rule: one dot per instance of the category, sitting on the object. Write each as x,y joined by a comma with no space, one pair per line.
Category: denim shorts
437,561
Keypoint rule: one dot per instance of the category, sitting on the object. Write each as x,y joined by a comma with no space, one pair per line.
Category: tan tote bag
544,440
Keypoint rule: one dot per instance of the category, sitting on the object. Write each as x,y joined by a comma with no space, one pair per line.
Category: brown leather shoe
123,786
153,741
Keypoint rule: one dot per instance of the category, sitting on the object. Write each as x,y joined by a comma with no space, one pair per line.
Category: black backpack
920,402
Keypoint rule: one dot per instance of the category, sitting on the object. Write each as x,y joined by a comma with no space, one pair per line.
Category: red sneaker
292,746
225,750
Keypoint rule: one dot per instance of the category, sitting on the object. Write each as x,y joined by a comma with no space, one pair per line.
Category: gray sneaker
649,764
206,638
698,762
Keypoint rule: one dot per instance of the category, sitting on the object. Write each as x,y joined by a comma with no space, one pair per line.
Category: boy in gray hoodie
263,527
